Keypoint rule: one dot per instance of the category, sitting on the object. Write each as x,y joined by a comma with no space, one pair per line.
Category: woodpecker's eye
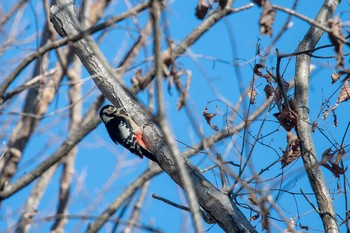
109,111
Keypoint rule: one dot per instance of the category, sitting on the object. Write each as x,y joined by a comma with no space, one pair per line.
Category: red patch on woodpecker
140,140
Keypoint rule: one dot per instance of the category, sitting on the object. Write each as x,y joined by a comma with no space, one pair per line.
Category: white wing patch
124,131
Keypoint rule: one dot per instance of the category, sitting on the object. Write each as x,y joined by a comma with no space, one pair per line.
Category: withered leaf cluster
253,199
222,3
208,117
267,17
251,94
172,72
288,113
331,160
336,31
292,151
257,70
269,90
202,9
335,77
344,94
263,212
288,116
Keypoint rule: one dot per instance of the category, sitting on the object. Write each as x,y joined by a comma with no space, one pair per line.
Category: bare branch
308,151
89,123
230,217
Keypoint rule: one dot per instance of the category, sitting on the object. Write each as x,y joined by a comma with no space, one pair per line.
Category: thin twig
310,21
161,118
204,216
308,200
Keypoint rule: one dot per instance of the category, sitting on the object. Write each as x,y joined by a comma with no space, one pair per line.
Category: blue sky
98,158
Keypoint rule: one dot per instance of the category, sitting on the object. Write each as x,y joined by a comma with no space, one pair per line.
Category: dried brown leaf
288,117
292,151
257,68
208,117
267,18
344,94
340,156
325,114
251,94
269,90
254,217
264,212
335,118
222,3
328,162
253,199
202,9
335,169
335,77
268,76
265,222
291,138
326,156
259,2
336,29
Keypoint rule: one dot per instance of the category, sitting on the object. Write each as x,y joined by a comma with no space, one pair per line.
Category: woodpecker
123,130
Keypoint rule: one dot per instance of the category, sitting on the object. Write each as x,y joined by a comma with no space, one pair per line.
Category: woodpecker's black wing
120,129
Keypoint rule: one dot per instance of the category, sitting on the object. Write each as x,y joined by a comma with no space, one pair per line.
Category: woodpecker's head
107,113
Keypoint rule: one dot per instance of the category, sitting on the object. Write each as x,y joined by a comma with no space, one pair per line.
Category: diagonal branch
216,204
